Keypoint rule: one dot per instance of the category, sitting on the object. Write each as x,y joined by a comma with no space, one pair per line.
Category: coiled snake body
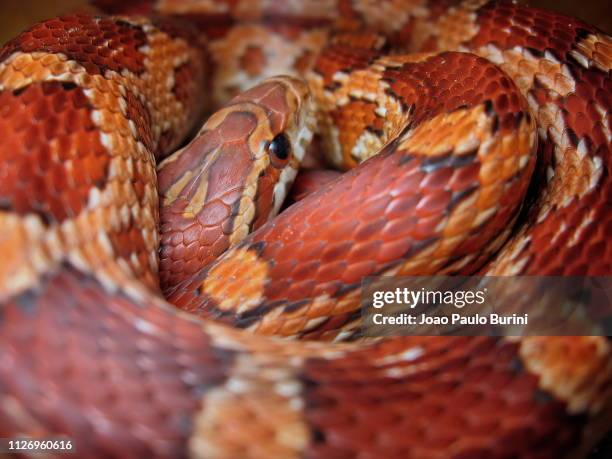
89,348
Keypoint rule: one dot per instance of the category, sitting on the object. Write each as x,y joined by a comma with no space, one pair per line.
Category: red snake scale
478,138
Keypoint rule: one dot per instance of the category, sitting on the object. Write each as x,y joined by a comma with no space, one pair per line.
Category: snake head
284,115
234,175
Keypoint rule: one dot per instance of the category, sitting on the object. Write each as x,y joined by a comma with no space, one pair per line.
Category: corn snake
172,385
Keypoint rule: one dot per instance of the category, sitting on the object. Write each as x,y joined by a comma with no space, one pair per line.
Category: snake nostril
280,147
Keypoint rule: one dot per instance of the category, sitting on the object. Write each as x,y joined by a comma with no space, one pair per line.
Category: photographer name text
454,319
410,299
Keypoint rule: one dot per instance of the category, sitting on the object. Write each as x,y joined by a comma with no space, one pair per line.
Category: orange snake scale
146,283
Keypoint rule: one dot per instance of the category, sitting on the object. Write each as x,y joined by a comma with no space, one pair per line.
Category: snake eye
279,149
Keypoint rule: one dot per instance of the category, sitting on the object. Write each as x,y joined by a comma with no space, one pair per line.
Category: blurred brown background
15,15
